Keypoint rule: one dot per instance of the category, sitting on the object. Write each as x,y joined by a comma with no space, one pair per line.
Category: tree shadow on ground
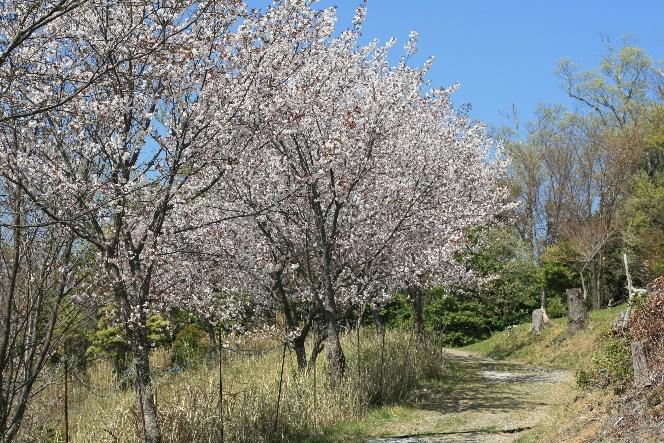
479,385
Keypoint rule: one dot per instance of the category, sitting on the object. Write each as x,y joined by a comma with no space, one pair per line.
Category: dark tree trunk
335,354
292,321
316,350
139,348
577,310
300,351
144,388
415,294
378,320
213,350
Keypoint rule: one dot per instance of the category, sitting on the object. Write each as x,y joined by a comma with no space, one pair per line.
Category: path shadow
476,384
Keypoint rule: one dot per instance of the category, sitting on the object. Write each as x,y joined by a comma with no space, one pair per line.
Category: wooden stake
630,291
66,400
281,381
221,387
315,400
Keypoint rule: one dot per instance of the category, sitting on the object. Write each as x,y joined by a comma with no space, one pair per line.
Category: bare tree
39,273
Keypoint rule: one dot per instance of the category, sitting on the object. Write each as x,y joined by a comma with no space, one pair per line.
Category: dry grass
188,401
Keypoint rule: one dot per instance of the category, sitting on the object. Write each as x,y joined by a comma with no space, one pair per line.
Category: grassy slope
553,347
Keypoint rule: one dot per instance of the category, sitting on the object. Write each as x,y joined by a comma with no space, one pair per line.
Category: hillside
553,347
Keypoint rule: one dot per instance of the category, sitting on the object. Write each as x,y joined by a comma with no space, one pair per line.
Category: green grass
553,347
364,428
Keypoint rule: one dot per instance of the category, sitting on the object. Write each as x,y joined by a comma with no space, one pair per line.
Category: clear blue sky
505,51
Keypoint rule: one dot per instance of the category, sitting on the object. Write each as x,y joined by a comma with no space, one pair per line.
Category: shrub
189,347
611,366
647,325
556,308
459,321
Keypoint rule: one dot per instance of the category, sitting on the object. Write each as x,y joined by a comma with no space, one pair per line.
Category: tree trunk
335,354
300,351
139,348
639,364
576,310
143,386
418,317
213,350
316,349
378,320
595,287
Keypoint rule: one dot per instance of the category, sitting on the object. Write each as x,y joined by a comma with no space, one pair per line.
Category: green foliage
514,281
611,366
559,274
158,331
644,236
458,320
556,308
109,339
465,315
189,347
399,312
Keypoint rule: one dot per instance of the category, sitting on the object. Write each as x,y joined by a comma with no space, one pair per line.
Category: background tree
40,272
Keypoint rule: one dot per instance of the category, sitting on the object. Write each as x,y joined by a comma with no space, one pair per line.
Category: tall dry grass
188,400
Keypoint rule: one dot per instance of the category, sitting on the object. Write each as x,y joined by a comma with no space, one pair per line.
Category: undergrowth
188,400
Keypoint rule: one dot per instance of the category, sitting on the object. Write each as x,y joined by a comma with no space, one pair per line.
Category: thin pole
315,399
221,388
281,380
66,400
382,364
139,388
359,362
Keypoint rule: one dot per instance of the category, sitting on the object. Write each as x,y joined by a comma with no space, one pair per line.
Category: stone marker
539,318
577,310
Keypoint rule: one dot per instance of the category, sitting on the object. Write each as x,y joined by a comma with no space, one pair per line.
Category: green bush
459,321
556,308
189,347
109,340
611,366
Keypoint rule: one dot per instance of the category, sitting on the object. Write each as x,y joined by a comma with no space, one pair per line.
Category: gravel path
483,400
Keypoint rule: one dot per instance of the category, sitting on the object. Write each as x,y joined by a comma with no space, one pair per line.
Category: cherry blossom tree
223,262
215,158
126,162
362,182
110,162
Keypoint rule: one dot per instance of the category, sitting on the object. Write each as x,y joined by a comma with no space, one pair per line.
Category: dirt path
482,400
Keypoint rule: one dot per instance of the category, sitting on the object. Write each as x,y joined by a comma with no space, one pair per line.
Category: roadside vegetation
260,402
